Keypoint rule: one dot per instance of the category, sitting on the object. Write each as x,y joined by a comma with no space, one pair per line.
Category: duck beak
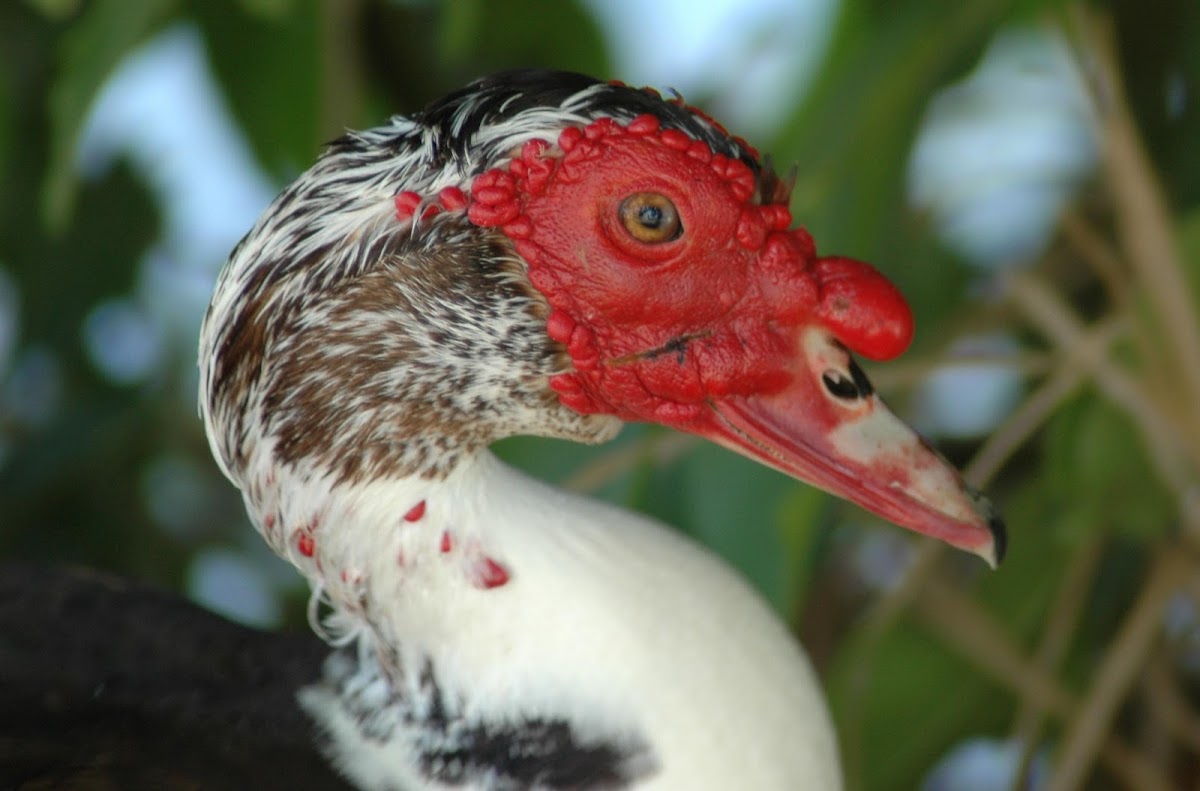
863,453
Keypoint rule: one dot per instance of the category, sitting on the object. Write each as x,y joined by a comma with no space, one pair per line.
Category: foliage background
1075,666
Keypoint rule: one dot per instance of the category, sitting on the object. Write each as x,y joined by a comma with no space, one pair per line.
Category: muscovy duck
543,253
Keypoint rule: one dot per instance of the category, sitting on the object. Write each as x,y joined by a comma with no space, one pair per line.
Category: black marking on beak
999,536
995,522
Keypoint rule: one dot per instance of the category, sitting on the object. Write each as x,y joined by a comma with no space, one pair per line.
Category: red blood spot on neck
306,545
415,513
489,574
447,542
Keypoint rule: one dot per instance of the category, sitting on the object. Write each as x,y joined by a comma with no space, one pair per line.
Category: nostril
865,388
840,385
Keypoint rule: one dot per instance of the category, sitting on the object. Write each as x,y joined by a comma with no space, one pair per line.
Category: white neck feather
528,602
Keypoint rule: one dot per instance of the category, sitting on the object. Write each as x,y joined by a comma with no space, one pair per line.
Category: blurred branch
1088,731
1105,261
1095,250
1166,699
1143,218
1167,444
907,374
1037,408
1057,632
971,630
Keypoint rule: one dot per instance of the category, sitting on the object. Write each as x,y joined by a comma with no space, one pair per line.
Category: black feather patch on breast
504,753
529,753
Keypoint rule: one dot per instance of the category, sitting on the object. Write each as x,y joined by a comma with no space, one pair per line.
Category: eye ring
650,218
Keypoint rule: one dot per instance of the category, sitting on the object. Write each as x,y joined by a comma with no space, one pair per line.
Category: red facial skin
705,332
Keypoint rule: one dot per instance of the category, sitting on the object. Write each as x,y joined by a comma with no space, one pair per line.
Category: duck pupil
650,216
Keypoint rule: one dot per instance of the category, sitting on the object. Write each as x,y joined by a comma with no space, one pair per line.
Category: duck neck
362,544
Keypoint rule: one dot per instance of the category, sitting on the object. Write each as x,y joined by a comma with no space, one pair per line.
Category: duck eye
650,218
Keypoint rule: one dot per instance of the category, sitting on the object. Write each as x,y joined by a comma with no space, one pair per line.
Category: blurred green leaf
268,9
481,37
907,677
55,9
559,461
462,23
852,134
1098,475
801,522
88,53
6,118
881,679
1159,48
271,70
88,262
1189,241
1018,594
